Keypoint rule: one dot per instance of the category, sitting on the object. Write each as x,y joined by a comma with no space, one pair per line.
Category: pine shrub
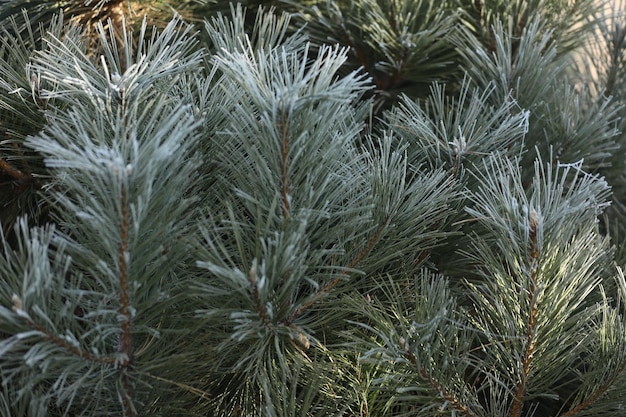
315,208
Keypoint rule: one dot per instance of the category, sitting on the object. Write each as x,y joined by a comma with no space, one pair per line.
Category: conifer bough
370,208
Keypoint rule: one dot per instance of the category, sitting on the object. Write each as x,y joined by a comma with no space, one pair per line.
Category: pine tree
327,208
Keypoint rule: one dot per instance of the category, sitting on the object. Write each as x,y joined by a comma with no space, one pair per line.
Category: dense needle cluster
321,208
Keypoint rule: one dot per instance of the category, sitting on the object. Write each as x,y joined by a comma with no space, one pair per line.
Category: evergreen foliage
327,208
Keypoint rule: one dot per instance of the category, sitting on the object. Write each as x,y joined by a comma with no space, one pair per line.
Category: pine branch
446,394
126,343
198,392
56,340
354,263
124,135
125,346
260,308
531,325
421,344
130,312
598,393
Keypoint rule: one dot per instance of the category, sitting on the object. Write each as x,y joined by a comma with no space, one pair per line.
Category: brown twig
440,388
597,394
353,264
255,296
14,173
62,343
531,326
74,350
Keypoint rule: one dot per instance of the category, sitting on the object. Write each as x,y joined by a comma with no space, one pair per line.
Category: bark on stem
442,390
353,264
13,172
531,325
